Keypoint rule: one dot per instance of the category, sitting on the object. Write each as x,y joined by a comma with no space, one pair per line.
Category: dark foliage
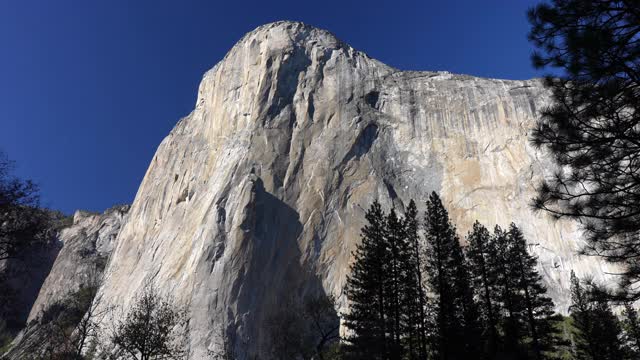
631,330
71,324
485,303
484,280
66,329
456,330
537,314
307,330
367,318
414,300
394,282
508,296
26,236
597,330
517,317
22,223
152,329
593,128
394,297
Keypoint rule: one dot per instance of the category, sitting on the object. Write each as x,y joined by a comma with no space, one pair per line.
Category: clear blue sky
88,89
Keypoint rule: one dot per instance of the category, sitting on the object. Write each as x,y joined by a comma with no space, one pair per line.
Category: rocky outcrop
260,192
84,249
86,246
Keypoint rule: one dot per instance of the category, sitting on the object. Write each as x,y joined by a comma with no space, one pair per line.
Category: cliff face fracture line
260,192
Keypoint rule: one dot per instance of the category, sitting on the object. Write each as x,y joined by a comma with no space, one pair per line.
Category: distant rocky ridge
260,192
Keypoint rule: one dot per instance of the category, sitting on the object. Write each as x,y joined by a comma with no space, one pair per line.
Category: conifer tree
631,327
439,235
592,128
465,303
538,313
449,283
509,299
479,253
394,281
365,291
598,333
582,318
414,297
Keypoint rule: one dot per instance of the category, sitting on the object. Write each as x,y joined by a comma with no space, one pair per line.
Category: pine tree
598,333
394,281
414,295
449,282
365,291
582,318
509,298
439,235
538,313
631,327
479,253
592,129
465,303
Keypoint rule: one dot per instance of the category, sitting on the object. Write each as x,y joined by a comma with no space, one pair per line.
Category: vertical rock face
86,246
260,192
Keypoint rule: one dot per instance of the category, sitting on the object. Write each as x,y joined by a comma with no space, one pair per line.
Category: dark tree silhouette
394,282
25,230
508,295
471,331
151,329
484,278
321,315
22,223
455,330
68,328
414,298
288,335
365,290
631,328
305,330
537,308
598,333
593,128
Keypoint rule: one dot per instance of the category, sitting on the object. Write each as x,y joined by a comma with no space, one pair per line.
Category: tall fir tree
538,309
631,328
465,303
414,298
597,329
509,298
479,253
394,282
367,319
449,283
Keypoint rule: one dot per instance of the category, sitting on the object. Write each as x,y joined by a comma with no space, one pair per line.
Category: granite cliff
260,192
84,248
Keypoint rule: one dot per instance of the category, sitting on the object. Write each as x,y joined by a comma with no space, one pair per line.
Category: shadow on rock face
270,273
276,276
24,280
